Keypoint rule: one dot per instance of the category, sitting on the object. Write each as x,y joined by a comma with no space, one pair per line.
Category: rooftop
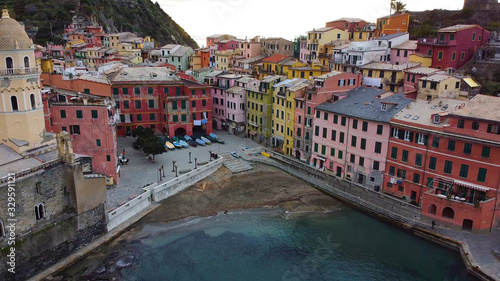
229,76
12,162
457,27
322,29
408,45
235,90
329,74
272,78
366,103
289,83
420,112
142,74
482,107
392,16
275,58
349,20
423,70
436,77
245,79
392,36
388,66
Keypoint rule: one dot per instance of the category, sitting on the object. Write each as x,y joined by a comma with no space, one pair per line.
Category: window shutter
411,136
426,139
401,134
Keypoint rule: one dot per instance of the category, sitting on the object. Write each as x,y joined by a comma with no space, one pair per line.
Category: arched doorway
13,103
467,225
9,63
33,102
26,62
180,132
198,130
448,213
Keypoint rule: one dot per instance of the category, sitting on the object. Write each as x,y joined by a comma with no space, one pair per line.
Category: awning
252,133
471,185
197,122
471,82
204,121
321,158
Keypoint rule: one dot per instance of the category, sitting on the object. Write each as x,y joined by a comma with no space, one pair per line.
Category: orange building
205,57
392,24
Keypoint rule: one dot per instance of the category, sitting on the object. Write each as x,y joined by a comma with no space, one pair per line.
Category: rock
125,261
101,269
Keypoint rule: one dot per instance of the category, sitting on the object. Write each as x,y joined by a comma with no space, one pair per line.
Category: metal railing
18,71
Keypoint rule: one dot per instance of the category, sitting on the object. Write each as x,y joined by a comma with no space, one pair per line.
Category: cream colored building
22,125
440,86
317,38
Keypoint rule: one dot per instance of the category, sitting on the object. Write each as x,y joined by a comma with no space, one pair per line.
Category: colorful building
401,53
351,24
260,109
454,46
214,39
389,77
276,46
392,24
412,78
351,135
440,85
324,88
220,105
317,38
443,157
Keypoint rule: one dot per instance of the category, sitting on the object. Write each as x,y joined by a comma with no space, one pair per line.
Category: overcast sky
279,18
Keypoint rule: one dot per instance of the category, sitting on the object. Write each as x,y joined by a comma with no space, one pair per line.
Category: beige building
275,46
317,38
440,86
22,124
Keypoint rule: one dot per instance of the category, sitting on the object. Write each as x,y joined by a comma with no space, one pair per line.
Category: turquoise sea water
253,245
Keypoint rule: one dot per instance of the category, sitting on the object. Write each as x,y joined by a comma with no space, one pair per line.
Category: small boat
169,145
186,137
176,144
213,135
175,139
192,143
266,154
212,139
183,143
219,140
200,142
207,141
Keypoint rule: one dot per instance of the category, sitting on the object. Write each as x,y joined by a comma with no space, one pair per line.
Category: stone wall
128,210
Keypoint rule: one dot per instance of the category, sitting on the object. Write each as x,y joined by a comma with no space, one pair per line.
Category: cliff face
140,16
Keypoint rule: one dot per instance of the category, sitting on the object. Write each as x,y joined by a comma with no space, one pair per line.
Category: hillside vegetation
140,16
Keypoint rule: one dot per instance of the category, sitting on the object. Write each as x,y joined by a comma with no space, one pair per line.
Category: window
176,118
341,138
353,141
462,56
323,150
341,154
448,166
137,91
151,103
139,117
435,142
94,114
429,52
475,125
380,129
461,123
432,163
407,136
493,129
454,56
440,55
152,116
177,91
378,147
376,165
353,158
416,178
464,171
355,123
473,36
392,171
401,173
137,104
394,153
485,153
481,175
395,133
204,103
150,90
335,119
467,148
74,129
318,114
108,158
324,133
174,105
332,152
365,126
343,121
325,116
316,147
125,91
98,142
79,114
421,139
418,160
363,144
451,145
361,161
63,113
165,90
39,211
430,181
316,131
125,104
334,135
405,156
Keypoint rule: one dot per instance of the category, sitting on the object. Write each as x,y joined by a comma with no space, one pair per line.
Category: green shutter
94,114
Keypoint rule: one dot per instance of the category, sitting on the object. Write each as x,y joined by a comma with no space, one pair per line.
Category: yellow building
389,77
440,86
423,59
302,70
224,60
22,123
365,34
195,60
283,117
317,38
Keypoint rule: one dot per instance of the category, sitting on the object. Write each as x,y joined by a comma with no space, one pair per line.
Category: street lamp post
190,157
173,165
195,163
210,153
176,174
163,170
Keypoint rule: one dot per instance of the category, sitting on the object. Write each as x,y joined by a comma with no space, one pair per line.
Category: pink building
54,51
351,135
231,44
400,54
303,50
326,87
250,49
220,103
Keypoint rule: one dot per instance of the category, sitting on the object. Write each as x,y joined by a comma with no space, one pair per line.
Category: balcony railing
18,71
281,94
394,81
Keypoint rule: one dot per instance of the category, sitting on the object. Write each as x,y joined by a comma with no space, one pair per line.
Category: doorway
339,171
467,225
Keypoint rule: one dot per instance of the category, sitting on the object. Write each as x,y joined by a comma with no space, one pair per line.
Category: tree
397,6
152,146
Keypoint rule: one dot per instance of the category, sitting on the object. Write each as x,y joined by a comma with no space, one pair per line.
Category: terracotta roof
275,58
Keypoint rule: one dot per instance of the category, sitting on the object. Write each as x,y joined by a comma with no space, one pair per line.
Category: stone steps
236,165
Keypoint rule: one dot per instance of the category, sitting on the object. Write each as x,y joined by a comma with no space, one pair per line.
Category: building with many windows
351,135
443,156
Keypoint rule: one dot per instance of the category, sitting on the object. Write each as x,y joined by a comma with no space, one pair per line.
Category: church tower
22,124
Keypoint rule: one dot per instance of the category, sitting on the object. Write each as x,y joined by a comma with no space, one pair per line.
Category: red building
231,44
444,155
157,98
351,24
454,46
205,58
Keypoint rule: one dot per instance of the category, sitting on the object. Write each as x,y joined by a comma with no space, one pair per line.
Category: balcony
281,94
253,124
18,71
396,82
434,41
